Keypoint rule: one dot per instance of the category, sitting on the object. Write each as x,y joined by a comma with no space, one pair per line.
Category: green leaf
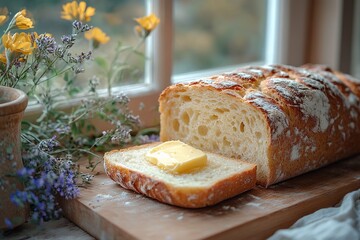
90,128
81,123
74,90
74,129
141,54
101,62
102,115
148,131
66,77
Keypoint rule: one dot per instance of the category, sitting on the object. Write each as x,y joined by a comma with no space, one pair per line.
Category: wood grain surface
55,230
107,211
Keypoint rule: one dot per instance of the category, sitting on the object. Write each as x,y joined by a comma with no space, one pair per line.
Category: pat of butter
176,157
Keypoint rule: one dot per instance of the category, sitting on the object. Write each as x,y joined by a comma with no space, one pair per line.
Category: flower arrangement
53,144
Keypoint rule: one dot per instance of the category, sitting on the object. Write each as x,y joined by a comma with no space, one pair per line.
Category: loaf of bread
287,120
220,179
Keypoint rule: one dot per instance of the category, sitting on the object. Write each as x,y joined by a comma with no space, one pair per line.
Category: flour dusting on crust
277,117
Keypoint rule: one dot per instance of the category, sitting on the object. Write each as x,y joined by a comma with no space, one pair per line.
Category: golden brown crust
312,113
186,197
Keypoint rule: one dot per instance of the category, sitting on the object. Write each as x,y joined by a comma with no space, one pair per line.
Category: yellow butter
176,157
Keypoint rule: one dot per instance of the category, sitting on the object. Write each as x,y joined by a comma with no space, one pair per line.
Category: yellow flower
20,43
85,14
78,11
3,19
148,23
3,15
97,35
23,22
3,58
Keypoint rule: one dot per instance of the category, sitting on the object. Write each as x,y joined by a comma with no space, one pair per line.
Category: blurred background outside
207,33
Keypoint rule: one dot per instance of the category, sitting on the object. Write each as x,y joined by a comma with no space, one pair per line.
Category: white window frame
355,59
291,38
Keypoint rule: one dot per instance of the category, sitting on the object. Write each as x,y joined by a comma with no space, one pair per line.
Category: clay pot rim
16,104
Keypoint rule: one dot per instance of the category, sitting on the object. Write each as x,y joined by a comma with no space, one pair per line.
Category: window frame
355,58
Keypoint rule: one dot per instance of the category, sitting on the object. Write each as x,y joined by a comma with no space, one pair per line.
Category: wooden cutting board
107,211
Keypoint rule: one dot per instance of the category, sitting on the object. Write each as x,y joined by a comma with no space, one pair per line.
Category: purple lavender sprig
143,139
68,40
65,184
45,178
46,44
80,27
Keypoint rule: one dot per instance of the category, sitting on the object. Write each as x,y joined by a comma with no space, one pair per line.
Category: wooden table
107,211
55,230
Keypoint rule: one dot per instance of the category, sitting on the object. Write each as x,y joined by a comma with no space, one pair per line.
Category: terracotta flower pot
12,105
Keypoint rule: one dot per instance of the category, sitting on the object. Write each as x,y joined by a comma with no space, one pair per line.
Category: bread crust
187,197
302,136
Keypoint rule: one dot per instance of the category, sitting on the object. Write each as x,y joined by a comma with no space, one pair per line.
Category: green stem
86,112
93,168
45,71
6,73
26,69
74,150
109,73
57,74
125,59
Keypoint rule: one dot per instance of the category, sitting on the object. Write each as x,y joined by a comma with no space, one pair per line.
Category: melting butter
177,157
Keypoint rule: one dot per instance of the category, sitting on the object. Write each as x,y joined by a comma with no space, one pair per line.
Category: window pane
115,18
213,33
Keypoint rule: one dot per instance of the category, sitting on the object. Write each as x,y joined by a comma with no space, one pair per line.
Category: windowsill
140,95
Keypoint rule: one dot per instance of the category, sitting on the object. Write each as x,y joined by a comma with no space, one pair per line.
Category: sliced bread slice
220,179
